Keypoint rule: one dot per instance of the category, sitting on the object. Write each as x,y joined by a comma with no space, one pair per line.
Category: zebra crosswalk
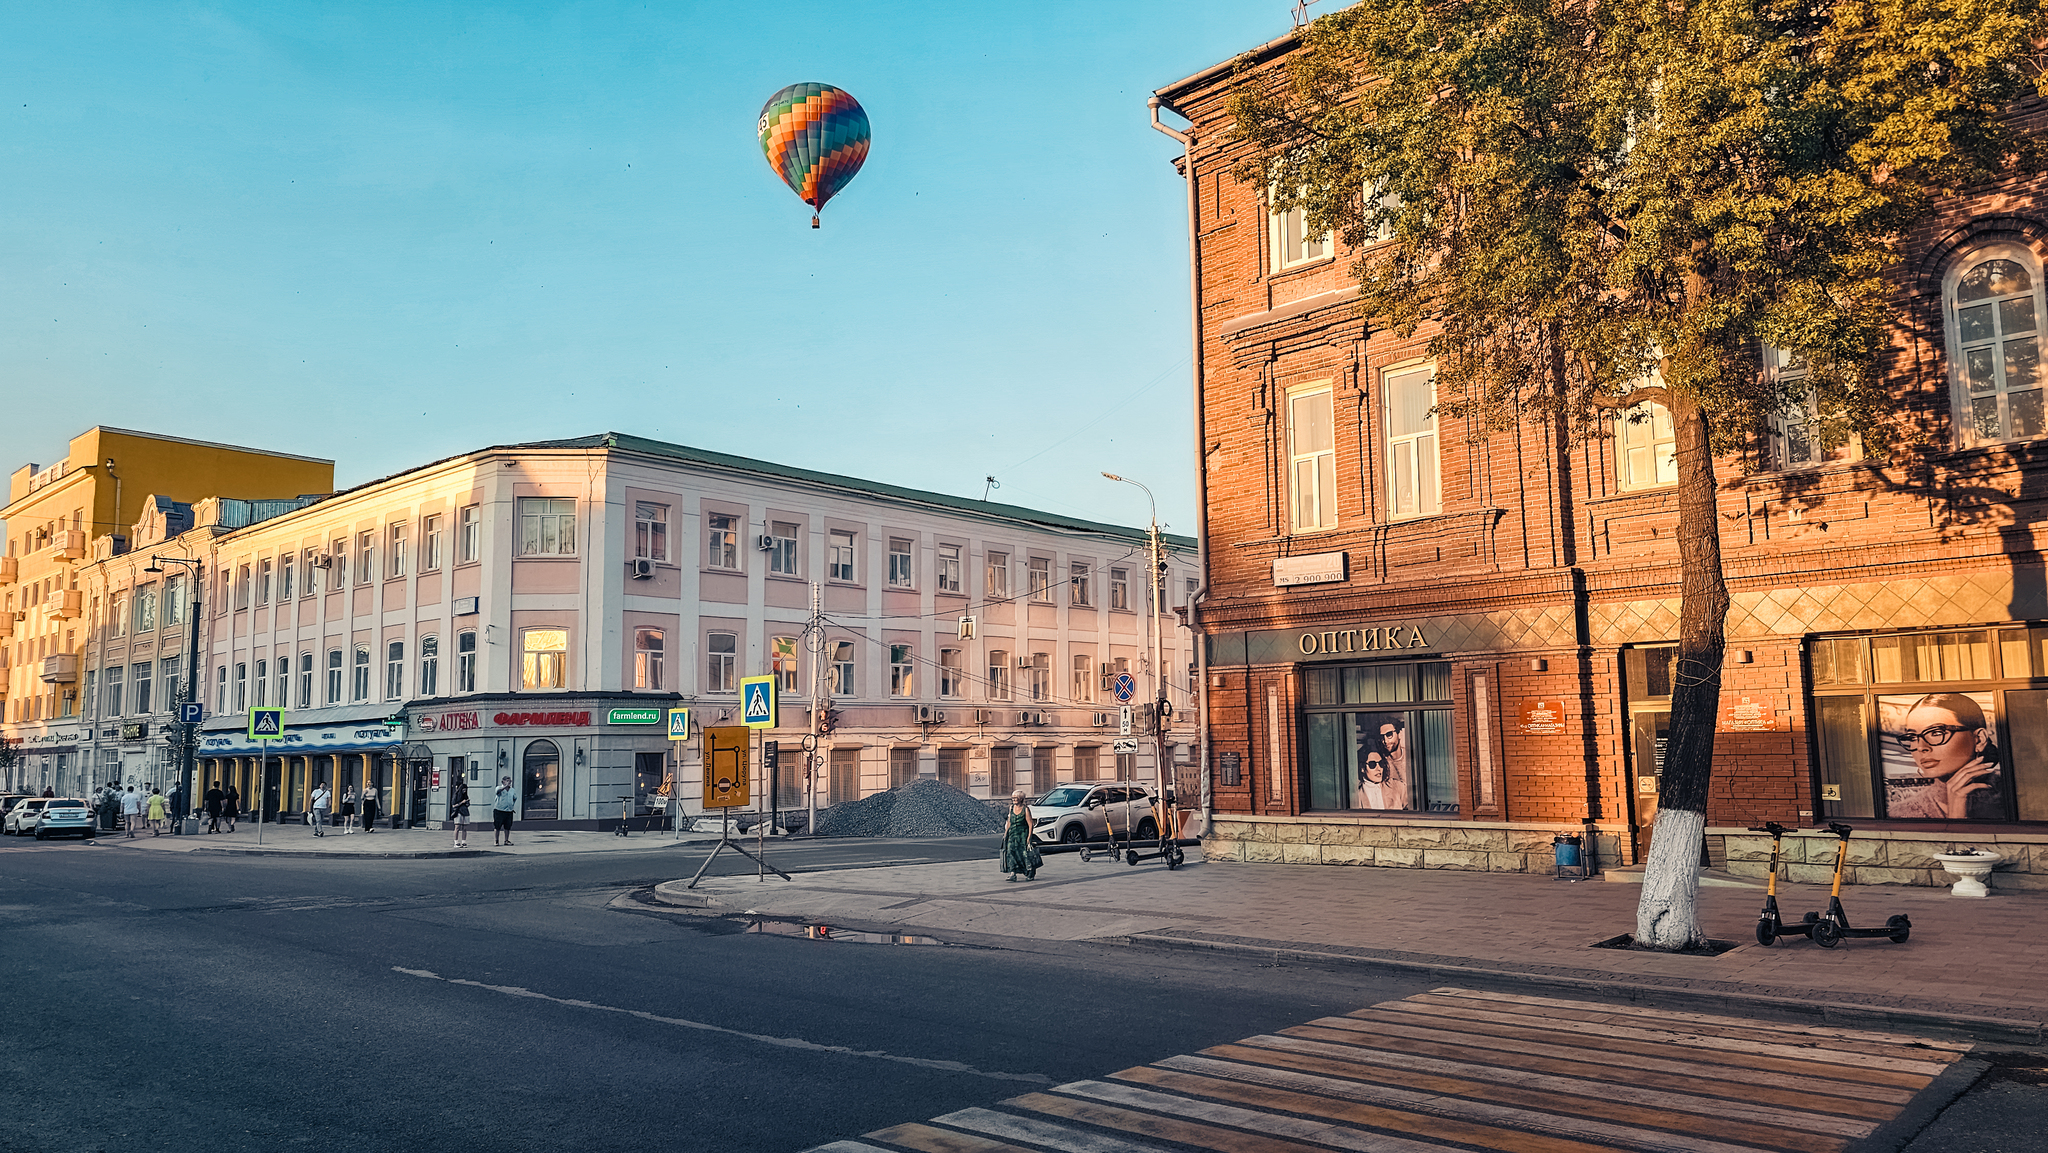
1461,1069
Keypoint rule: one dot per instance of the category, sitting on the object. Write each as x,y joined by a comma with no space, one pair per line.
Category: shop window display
1379,738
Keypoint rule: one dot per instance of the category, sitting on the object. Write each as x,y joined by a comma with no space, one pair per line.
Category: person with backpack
458,811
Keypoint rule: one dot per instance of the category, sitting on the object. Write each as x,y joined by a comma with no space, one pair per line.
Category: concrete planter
1970,869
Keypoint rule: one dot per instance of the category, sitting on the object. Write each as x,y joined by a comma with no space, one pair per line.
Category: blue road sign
191,713
266,724
1125,686
757,702
679,724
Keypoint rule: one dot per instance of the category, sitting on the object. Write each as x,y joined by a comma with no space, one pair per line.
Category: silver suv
1086,811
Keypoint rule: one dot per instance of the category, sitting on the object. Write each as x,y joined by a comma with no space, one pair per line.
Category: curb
2009,1031
311,853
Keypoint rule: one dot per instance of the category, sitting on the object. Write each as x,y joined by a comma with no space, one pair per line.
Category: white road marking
762,1038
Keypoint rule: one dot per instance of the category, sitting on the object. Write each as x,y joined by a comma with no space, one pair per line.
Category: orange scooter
1830,927
1768,926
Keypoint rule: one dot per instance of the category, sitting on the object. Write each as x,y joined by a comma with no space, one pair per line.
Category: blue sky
385,233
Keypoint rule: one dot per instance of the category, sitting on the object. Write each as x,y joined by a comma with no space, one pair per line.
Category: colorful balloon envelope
815,137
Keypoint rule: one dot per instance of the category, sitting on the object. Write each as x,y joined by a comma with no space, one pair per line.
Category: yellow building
62,516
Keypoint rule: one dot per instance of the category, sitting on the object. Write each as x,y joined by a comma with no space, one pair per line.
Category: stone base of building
1886,857
1393,842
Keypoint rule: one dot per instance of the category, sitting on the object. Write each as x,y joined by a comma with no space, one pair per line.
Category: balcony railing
60,669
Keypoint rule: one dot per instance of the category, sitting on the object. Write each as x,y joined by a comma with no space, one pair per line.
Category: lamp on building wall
579,756
503,760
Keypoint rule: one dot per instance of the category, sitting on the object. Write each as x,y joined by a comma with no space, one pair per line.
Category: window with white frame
245,580
1293,244
721,662
145,609
722,540
650,531
337,576
334,671
1412,486
469,524
430,543
1312,458
144,684
902,671
1120,589
840,561
366,557
465,661
395,549
430,667
547,526
305,680
647,659
544,662
220,692
168,670
949,568
281,682
1039,673
1995,307
1040,574
359,688
112,681
263,581
177,590
241,686
952,677
783,663
902,563
1080,584
1084,678
841,670
117,615
286,582
998,675
782,549
1795,442
996,582
1645,446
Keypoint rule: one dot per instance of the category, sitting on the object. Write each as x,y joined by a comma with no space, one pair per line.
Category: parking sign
191,713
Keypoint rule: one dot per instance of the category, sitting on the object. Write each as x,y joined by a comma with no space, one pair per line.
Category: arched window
540,795
1994,327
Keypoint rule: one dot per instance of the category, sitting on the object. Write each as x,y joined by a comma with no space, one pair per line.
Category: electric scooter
1768,926
1830,927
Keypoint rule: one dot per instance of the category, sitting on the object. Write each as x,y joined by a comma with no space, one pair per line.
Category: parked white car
1088,810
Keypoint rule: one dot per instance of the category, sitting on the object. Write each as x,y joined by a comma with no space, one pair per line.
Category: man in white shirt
131,810
322,802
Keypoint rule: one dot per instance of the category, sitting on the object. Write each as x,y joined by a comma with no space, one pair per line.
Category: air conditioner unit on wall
643,568
1101,719
928,715
765,543
981,716
1023,720
322,560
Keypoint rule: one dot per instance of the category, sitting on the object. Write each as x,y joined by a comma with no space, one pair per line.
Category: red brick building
1428,646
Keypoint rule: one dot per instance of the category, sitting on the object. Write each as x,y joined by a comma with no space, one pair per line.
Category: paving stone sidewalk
298,840
1967,959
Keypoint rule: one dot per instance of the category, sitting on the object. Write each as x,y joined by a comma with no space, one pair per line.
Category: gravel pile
922,808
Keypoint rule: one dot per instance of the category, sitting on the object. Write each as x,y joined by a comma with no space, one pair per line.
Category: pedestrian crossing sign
266,724
757,702
679,724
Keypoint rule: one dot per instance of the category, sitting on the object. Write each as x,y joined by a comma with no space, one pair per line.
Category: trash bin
1570,853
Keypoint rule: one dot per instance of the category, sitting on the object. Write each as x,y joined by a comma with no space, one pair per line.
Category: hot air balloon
815,137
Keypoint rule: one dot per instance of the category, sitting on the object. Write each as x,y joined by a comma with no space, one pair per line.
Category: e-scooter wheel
1901,928
1174,857
1766,933
1826,933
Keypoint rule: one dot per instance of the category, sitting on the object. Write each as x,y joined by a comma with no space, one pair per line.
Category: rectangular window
305,680
650,531
545,658
1041,579
952,677
647,659
1794,431
782,549
334,676
394,671
902,672
1120,589
220,692
783,663
88,698
998,675
721,663
260,696
117,615
722,545
840,562
263,581
1078,581
359,690
949,568
145,609
430,543
245,581
547,527
1379,738
1412,488
395,550
1294,245
168,671
997,579
902,767
241,686
465,662
1084,678
286,571
144,683
1312,459
282,684
113,683
1646,446
337,573
177,591
469,524
1040,673
842,669
902,562
366,557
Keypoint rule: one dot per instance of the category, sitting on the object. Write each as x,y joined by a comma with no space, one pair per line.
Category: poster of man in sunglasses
1941,757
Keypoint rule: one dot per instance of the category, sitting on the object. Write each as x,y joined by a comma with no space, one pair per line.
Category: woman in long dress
1019,854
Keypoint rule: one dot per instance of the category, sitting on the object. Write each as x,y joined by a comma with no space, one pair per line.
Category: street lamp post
1155,565
190,743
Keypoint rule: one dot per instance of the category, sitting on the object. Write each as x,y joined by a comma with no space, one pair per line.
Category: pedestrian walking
1019,854
501,811
214,799
231,805
159,810
369,807
131,810
348,811
322,801
458,810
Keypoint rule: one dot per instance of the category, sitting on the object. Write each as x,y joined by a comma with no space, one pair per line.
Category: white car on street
1090,810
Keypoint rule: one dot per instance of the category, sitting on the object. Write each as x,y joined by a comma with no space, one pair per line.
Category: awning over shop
306,741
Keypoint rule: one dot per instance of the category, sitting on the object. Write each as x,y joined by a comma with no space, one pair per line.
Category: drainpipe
1187,144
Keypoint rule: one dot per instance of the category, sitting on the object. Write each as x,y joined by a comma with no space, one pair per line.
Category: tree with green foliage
1596,205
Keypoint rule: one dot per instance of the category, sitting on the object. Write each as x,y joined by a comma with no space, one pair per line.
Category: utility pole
1155,565
814,755
190,741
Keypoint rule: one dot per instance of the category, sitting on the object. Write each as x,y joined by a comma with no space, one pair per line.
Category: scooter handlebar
1773,828
1839,829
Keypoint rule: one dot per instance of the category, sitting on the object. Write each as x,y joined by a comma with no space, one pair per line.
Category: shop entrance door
273,771
1649,734
416,809
541,796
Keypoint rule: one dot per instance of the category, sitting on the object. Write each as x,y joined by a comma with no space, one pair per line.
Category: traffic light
827,721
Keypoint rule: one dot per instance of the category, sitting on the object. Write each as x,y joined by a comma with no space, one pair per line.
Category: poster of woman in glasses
1941,757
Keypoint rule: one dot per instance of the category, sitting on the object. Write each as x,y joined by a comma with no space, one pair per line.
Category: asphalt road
165,1002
